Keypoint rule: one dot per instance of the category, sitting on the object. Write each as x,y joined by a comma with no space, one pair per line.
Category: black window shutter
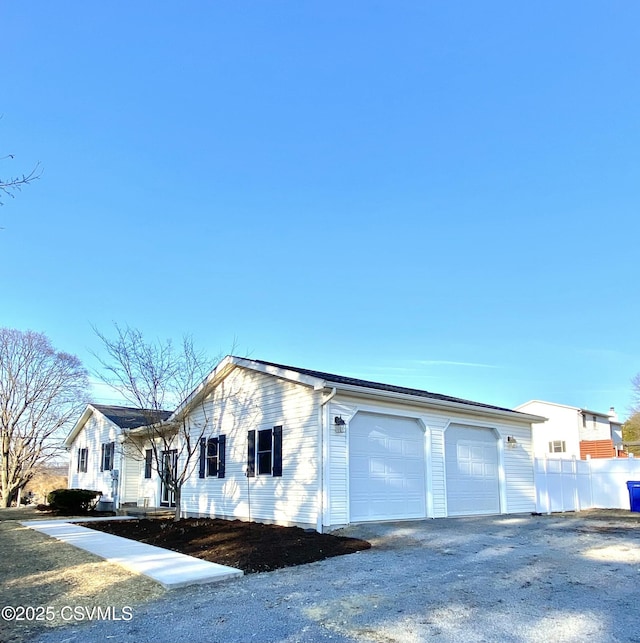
222,439
102,457
251,453
79,455
277,451
203,456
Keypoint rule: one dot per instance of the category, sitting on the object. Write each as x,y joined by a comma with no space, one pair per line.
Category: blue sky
438,195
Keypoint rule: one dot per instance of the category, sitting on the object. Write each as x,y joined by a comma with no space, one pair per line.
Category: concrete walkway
169,568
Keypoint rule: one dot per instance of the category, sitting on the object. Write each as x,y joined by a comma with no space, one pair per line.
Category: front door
169,470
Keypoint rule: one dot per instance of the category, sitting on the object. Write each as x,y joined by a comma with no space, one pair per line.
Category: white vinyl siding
519,489
246,401
437,425
131,476
97,431
337,498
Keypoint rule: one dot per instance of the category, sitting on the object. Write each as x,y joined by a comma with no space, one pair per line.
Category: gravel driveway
507,578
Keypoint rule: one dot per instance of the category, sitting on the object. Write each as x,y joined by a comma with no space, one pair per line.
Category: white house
571,432
296,446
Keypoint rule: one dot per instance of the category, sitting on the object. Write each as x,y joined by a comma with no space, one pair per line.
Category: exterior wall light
339,424
511,442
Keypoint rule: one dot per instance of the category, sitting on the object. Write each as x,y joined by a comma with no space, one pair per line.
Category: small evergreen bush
73,501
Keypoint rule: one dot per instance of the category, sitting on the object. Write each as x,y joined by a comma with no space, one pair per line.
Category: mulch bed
250,546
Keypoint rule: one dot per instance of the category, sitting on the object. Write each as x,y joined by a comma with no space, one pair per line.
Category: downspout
321,458
121,472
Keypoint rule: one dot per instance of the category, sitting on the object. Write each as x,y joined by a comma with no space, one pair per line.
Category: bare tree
41,392
155,376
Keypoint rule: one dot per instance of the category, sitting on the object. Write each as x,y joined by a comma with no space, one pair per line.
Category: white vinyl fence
573,485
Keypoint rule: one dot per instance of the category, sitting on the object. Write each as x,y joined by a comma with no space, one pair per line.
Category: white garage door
386,468
471,457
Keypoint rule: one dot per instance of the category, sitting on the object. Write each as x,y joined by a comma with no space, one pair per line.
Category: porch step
146,512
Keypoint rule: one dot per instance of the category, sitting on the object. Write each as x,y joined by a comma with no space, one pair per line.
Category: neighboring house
296,446
574,432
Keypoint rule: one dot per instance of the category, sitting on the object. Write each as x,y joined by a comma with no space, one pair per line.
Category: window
266,455
106,457
557,446
212,457
265,445
148,461
83,458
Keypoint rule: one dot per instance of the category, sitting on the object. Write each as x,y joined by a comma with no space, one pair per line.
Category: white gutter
468,407
321,456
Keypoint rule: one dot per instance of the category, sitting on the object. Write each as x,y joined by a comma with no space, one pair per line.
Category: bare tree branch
13,184
155,376
635,387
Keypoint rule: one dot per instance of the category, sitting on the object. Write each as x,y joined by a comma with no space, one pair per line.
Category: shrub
73,501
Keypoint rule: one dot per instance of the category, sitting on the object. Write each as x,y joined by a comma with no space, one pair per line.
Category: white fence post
590,467
576,491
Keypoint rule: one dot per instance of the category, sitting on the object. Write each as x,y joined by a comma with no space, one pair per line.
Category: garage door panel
386,465
477,470
377,467
394,447
471,457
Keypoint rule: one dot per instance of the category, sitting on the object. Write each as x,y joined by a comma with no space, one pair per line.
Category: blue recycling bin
634,494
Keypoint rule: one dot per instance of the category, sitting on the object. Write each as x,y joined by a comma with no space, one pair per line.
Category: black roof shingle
130,418
391,388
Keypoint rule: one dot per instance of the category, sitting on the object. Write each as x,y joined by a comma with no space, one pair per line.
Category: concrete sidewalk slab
170,569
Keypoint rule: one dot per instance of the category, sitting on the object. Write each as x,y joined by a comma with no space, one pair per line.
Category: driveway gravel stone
524,579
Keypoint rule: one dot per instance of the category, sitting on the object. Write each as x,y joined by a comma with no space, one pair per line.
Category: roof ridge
127,408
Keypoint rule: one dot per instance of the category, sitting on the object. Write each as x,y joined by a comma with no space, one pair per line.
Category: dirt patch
604,521
39,571
632,517
607,529
250,546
